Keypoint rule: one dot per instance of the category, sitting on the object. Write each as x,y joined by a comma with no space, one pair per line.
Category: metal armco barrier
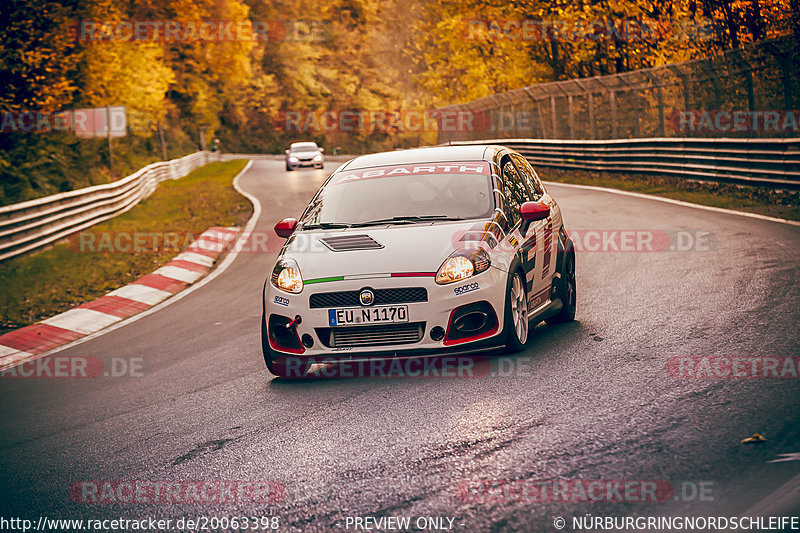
766,162
29,225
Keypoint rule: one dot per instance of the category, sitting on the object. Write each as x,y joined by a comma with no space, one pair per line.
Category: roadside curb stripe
188,265
141,293
115,305
83,321
182,274
197,259
186,268
162,283
38,338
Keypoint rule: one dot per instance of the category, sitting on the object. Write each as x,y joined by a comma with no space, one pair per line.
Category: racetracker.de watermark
630,240
379,121
207,31
76,367
170,241
600,240
526,491
177,492
733,367
779,122
448,366
575,30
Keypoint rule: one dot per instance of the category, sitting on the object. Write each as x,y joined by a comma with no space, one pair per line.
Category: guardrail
29,225
766,162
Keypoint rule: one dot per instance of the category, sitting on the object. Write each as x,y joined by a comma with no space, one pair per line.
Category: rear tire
566,292
516,321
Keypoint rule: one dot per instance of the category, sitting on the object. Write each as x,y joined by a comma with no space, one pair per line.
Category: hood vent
346,243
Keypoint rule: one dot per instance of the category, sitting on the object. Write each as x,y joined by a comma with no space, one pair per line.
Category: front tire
566,292
516,315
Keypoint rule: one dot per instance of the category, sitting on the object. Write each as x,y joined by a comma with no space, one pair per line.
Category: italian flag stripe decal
323,280
371,276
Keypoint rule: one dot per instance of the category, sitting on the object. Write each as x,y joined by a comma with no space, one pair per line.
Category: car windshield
399,195
304,147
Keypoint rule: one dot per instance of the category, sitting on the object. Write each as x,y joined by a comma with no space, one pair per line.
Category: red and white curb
192,264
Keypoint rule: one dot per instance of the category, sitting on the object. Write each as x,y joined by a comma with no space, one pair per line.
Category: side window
538,181
514,192
530,177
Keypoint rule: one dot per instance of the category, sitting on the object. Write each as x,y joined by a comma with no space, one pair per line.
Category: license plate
353,316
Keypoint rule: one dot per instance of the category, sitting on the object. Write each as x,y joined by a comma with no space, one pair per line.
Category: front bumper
487,291
301,163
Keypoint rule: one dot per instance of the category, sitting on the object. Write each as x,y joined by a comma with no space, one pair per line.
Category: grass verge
38,285
761,200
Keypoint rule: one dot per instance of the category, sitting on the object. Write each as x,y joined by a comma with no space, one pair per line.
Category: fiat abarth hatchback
415,253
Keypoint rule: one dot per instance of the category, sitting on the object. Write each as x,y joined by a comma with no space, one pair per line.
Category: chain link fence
747,92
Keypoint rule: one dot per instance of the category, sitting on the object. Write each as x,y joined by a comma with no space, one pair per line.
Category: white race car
304,154
417,253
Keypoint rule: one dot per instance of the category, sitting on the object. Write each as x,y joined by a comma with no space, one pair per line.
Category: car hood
405,249
303,155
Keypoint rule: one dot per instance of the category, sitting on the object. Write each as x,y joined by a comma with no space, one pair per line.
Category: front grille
363,336
382,297
345,243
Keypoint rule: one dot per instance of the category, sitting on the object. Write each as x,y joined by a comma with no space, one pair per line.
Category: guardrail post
591,117
163,143
571,117
553,118
541,119
612,101
660,96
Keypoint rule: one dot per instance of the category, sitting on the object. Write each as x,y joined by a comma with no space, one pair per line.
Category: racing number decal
548,249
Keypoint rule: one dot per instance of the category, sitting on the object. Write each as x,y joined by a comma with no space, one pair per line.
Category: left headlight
463,265
286,276
293,159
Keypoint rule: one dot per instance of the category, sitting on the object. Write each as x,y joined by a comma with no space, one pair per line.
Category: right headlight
462,265
286,276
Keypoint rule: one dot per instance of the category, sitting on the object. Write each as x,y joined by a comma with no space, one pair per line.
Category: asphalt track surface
589,400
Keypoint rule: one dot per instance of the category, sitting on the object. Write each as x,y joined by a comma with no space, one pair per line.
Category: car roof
433,154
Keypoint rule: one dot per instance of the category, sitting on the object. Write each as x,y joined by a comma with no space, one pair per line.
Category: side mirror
531,212
322,149
286,227
287,152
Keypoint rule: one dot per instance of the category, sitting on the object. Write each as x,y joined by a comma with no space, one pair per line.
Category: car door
538,242
546,230
515,193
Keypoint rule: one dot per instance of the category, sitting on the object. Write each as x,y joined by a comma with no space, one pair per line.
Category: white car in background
304,154
417,253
